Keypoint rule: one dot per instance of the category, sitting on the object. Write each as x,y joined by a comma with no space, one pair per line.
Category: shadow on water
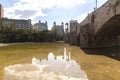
113,52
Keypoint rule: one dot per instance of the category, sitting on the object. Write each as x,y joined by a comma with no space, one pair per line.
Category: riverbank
2,45
7,44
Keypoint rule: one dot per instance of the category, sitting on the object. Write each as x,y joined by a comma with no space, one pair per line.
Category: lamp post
96,4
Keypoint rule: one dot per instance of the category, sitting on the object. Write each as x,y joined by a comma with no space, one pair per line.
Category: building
73,25
19,23
58,28
41,26
71,32
1,11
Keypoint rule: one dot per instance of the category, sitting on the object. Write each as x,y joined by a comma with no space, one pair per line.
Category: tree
9,34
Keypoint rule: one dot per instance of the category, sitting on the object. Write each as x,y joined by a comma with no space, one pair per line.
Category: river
43,60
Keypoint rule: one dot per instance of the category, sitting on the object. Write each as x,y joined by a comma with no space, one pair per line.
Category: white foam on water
52,68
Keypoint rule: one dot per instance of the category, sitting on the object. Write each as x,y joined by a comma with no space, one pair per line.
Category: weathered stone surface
101,28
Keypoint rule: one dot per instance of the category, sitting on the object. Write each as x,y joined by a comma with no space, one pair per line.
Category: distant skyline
49,10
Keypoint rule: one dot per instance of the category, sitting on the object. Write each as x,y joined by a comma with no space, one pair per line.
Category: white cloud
61,3
37,6
82,16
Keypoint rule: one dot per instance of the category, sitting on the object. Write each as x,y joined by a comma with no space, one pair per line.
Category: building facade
73,25
1,11
41,26
58,28
19,23
71,29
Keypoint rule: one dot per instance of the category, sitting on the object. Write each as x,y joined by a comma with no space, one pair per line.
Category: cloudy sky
49,10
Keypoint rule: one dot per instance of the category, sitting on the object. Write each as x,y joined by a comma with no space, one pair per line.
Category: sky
49,10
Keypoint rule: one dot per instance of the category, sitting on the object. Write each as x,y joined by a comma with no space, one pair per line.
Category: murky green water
97,64
53,67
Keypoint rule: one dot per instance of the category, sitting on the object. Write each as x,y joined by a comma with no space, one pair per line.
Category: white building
58,28
41,26
19,23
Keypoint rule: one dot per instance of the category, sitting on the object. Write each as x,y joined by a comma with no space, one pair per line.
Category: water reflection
52,57
113,52
51,68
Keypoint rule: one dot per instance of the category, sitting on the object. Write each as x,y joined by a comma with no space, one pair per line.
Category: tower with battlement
58,28
41,26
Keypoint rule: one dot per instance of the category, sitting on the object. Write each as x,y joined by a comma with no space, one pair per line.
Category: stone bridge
101,28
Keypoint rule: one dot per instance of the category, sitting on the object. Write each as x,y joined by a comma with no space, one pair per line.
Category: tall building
73,25
58,28
41,26
1,11
19,23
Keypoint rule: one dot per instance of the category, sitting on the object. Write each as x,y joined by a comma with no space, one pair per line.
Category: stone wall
99,29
